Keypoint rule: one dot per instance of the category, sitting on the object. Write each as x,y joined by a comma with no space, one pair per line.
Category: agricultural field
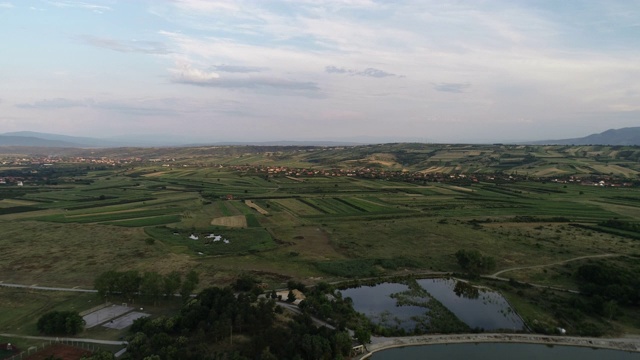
336,214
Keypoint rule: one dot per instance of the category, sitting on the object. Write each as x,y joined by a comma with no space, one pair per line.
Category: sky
367,70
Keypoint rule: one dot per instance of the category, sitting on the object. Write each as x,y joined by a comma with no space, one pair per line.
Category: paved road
47,288
47,338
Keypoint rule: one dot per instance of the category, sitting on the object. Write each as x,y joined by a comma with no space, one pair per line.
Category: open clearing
237,221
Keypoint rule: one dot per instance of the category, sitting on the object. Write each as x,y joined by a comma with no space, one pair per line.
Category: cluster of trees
621,225
323,302
60,323
217,324
149,285
607,287
474,263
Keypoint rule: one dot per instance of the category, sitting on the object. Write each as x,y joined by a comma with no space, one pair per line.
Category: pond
430,305
479,308
500,351
378,305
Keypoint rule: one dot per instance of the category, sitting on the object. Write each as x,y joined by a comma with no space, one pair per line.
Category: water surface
478,308
501,351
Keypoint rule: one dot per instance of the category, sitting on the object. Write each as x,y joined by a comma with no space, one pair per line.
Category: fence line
34,349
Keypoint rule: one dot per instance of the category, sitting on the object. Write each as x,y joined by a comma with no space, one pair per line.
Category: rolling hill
624,136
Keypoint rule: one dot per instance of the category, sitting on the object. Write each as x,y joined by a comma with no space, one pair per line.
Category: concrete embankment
625,344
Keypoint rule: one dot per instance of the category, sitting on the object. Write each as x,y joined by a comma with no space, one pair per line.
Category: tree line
218,324
149,285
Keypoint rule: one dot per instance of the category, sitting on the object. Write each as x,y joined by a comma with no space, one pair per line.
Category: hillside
32,138
529,160
31,141
624,136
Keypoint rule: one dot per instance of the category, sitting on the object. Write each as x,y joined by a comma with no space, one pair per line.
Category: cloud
133,46
238,68
249,83
451,87
191,76
79,5
58,103
6,5
130,107
136,108
336,70
377,73
370,72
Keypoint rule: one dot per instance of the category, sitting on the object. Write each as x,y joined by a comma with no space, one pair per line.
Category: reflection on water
378,305
466,290
487,311
401,306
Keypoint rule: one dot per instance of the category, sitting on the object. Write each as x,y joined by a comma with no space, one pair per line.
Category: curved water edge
622,344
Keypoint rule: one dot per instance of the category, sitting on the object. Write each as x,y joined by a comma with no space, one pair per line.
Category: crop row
109,217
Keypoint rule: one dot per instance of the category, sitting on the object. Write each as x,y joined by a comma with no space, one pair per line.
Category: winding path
496,275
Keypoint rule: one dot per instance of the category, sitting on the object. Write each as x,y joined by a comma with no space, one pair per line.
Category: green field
369,211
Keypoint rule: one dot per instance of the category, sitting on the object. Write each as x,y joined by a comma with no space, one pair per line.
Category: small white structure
193,237
225,241
214,237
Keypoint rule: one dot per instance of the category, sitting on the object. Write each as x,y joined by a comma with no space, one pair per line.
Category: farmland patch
236,221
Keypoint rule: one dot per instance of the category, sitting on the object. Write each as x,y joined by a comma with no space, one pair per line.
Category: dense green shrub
60,323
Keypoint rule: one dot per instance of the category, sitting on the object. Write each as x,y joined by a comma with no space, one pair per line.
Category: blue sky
440,71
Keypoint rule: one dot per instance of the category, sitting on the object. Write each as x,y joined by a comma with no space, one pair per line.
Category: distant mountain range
624,136
37,139
31,138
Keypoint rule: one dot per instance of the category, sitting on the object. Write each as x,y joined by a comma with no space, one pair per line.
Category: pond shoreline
381,343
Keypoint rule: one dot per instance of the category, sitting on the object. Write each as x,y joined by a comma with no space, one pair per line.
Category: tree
189,284
60,323
342,343
151,285
245,282
106,283
129,284
171,283
363,335
193,277
474,263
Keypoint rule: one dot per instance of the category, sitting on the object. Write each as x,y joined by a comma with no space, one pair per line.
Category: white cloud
187,73
6,5
79,5
134,46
